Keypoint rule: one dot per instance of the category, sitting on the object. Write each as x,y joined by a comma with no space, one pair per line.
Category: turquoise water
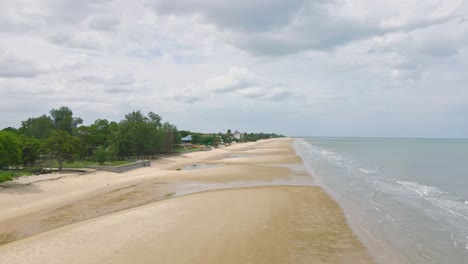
408,196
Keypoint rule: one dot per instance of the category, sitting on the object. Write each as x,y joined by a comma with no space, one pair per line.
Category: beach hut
187,139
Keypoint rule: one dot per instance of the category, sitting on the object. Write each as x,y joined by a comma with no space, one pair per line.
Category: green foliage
258,136
38,127
228,137
78,164
10,129
144,136
61,136
8,175
30,150
170,137
96,135
62,146
206,139
10,149
101,155
184,133
63,119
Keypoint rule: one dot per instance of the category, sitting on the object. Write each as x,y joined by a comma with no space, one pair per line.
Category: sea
406,199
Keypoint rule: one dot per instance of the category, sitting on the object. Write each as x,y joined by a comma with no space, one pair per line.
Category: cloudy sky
297,67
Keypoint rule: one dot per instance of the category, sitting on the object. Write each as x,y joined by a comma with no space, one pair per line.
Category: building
187,139
237,135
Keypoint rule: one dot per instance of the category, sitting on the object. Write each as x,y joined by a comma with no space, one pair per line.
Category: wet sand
145,216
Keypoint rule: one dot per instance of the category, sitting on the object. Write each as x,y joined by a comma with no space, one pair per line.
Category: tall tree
63,119
170,135
62,146
10,149
30,150
229,136
94,136
37,127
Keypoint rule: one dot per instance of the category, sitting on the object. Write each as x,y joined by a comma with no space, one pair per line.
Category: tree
63,119
101,155
154,119
94,136
228,138
30,150
10,129
134,136
184,133
62,146
37,127
169,136
10,149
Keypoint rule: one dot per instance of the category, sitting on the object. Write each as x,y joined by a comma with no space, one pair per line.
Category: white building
237,135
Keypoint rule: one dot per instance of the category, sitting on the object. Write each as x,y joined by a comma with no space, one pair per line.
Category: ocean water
407,199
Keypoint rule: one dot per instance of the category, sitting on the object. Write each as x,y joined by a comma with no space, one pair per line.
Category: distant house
237,135
187,139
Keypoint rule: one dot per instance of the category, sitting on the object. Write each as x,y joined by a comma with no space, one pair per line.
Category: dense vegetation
60,137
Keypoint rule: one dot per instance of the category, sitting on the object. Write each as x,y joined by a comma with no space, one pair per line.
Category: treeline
61,136
228,137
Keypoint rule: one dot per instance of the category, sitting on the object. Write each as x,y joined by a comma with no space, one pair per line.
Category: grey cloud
23,15
186,97
267,94
7,25
241,14
115,79
278,28
238,85
73,40
103,24
272,28
13,66
73,12
15,18
279,96
118,90
253,93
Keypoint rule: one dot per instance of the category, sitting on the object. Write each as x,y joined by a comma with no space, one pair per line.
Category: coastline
224,211
370,236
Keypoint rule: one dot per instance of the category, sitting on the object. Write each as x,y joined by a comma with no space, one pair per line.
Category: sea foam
368,171
439,198
420,189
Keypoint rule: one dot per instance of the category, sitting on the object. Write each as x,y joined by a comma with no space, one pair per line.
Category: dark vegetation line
60,137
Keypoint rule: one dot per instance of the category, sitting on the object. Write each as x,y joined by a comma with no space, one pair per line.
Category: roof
187,138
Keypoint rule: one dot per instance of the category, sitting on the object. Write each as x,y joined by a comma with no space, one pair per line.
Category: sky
380,68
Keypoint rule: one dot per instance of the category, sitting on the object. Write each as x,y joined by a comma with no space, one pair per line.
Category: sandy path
250,225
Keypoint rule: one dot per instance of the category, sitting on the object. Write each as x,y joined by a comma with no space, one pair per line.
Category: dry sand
128,218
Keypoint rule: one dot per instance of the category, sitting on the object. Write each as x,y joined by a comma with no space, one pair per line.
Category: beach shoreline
248,203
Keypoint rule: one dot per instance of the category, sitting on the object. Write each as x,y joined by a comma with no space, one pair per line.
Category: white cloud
237,78
342,65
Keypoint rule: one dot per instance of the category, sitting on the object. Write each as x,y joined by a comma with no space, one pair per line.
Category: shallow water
200,166
405,195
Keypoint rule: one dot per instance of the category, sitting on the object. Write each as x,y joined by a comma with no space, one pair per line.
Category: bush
101,155
6,176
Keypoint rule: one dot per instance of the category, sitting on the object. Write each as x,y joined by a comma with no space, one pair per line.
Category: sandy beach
247,203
